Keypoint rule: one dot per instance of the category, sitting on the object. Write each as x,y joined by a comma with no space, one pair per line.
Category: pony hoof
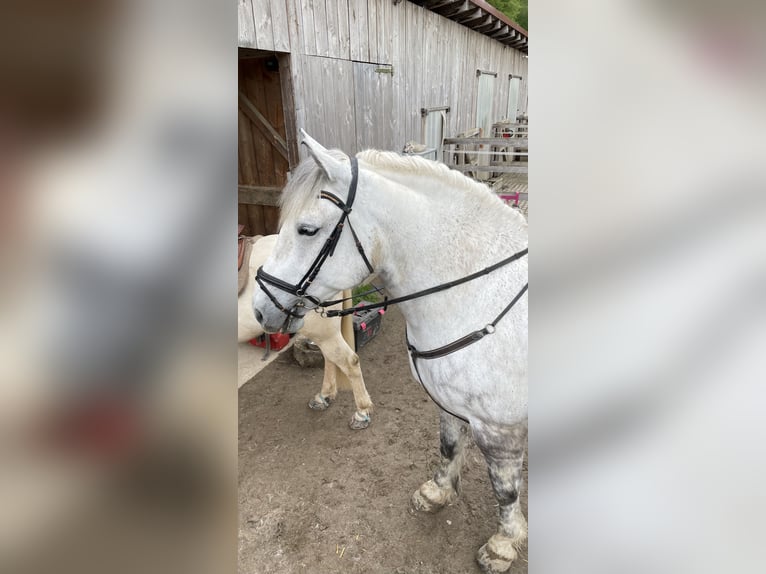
430,498
497,555
359,422
320,403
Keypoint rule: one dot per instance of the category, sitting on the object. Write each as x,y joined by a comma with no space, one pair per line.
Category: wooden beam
509,142
436,4
502,31
483,19
257,195
468,16
252,113
455,8
492,26
495,168
519,43
288,107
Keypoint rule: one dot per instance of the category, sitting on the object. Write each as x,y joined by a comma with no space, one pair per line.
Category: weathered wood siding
336,46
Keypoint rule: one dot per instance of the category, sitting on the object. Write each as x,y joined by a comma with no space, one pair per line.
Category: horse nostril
258,315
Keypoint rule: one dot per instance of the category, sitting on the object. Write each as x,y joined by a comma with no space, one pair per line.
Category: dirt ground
317,497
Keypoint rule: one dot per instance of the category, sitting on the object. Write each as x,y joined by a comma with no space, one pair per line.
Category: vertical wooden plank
329,92
397,119
320,27
347,123
302,101
415,57
344,50
418,56
246,153
280,25
270,219
363,31
372,29
360,104
295,25
333,42
264,33
315,102
384,32
288,105
242,219
354,7
404,64
309,35
430,78
255,220
245,24
383,124
272,89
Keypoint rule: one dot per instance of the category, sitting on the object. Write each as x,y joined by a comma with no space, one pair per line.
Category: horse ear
332,167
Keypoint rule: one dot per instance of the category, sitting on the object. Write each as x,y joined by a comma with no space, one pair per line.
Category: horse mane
409,166
302,189
403,169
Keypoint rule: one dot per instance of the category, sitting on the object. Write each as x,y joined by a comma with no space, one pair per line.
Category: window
513,97
433,123
486,91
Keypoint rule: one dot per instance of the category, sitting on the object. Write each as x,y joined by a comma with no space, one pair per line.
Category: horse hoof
430,498
497,555
359,422
320,403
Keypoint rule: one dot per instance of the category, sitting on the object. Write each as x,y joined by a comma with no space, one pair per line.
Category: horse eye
305,230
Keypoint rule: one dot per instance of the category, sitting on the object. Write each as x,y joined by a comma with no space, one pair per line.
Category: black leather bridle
328,249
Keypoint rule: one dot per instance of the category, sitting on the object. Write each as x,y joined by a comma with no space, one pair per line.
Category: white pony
333,336
420,225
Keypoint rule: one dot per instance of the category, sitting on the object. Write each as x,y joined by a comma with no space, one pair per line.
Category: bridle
300,288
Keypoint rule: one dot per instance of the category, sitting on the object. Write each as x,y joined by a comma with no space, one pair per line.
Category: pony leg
503,450
329,390
444,487
347,362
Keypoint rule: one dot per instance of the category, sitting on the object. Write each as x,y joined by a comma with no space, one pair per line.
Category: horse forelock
302,189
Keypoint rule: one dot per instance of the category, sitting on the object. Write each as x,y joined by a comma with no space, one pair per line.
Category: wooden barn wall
259,163
434,62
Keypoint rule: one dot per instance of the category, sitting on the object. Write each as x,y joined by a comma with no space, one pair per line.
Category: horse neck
434,234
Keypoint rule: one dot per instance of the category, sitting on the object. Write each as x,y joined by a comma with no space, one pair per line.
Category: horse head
318,253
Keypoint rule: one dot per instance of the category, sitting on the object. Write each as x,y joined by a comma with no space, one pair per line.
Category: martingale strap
457,345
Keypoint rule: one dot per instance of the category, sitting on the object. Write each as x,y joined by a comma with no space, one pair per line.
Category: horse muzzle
275,320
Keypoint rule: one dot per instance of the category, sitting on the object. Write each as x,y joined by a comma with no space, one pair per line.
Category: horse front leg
444,487
329,391
503,449
347,362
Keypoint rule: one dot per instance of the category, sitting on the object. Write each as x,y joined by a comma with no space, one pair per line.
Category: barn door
374,106
264,147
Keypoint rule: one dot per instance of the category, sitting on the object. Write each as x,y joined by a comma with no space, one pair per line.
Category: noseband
300,288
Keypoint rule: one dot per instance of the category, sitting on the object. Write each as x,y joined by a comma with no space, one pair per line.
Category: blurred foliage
516,10
361,293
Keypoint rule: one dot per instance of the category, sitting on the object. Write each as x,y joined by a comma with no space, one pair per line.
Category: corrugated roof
482,17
